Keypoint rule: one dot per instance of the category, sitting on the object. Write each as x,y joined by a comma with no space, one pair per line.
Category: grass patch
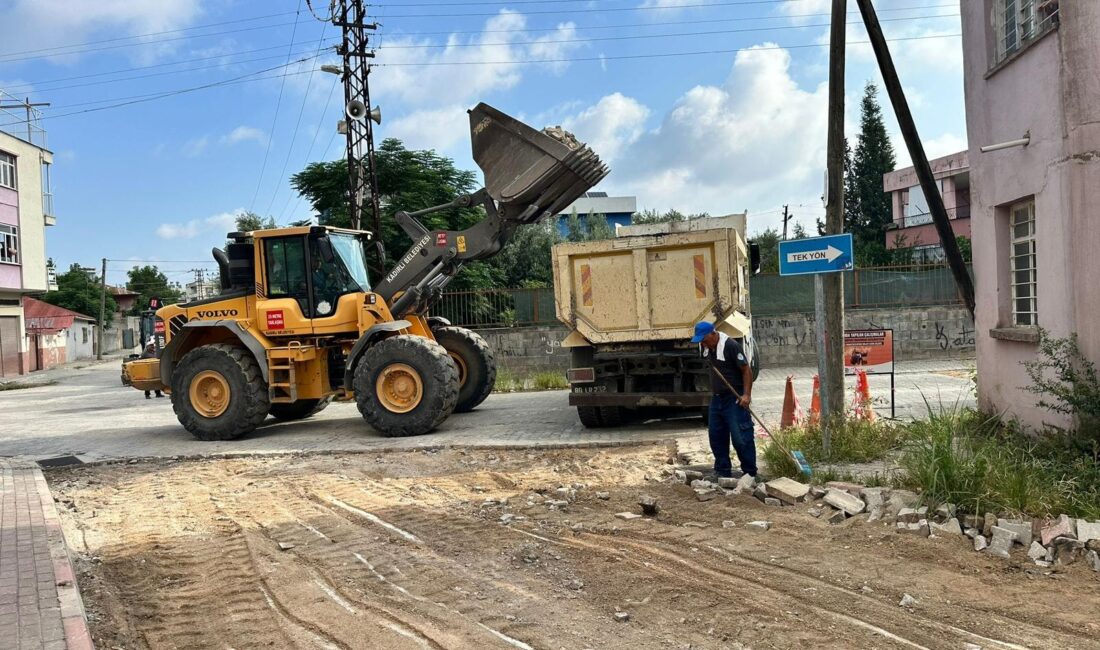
507,382
983,465
549,381
851,441
20,385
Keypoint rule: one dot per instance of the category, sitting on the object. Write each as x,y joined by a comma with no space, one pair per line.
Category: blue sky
740,127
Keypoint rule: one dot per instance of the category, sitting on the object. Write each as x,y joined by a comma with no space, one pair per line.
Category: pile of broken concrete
1047,542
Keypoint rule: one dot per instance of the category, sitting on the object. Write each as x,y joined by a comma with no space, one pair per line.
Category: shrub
1067,383
550,380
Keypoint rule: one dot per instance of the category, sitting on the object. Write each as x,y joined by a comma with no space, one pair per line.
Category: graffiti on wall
963,337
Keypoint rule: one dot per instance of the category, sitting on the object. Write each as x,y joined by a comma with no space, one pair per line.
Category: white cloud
36,25
219,223
244,134
942,145
433,128
195,146
754,141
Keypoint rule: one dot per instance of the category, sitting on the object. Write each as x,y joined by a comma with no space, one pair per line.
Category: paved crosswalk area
88,413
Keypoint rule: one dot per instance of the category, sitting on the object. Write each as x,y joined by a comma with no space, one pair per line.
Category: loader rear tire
590,416
405,386
299,410
477,369
218,392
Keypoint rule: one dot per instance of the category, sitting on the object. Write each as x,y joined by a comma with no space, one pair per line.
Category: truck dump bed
652,287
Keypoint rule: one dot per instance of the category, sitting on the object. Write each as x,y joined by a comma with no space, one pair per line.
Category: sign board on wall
869,350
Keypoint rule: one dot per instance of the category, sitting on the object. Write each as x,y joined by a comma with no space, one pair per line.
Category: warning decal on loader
700,277
275,319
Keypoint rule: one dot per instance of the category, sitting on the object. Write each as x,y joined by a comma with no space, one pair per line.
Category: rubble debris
919,528
772,501
944,511
761,492
1066,550
729,524
1088,530
702,483
1002,541
972,533
903,499
603,496
853,489
688,475
1063,526
695,524
285,546
760,525
876,514
557,503
980,543
787,490
816,491
842,500
949,527
622,617
628,516
875,497
1037,551
837,517
1092,558
816,512
908,601
1021,528
988,522
972,521
907,516
575,585
727,482
745,484
649,505
705,494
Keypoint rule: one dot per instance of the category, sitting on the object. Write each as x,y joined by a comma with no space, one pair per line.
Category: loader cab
300,276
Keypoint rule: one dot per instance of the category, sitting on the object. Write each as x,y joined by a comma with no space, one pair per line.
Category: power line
146,35
298,123
659,55
665,23
637,36
140,99
736,3
171,72
316,132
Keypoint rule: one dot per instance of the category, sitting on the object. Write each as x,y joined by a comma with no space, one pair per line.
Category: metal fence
887,286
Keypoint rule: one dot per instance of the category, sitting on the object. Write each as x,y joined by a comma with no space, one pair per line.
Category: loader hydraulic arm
529,175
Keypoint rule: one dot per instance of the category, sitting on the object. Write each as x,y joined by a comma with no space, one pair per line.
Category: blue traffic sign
828,254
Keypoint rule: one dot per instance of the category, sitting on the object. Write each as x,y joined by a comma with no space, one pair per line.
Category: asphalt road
88,413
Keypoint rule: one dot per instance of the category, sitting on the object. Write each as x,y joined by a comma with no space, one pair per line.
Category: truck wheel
405,385
590,416
299,410
477,369
218,392
612,416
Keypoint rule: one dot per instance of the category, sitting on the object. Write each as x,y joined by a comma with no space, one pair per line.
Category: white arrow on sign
829,254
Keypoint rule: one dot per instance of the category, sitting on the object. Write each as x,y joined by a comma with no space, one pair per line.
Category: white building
200,290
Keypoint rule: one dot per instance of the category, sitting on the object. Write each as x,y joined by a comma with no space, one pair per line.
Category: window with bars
1016,22
1024,285
9,244
7,170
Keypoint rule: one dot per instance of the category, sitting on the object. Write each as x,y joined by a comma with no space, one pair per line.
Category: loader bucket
528,173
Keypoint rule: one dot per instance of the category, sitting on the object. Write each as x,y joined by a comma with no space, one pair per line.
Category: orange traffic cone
792,410
862,404
815,402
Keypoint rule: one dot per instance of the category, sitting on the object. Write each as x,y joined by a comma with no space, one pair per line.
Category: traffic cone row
793,415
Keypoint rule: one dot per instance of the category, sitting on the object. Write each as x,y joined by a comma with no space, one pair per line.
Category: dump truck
631,303
299,321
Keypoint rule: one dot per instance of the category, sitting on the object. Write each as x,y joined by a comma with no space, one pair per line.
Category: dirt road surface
407,549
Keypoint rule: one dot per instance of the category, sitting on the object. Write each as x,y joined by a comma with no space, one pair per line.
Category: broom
795,455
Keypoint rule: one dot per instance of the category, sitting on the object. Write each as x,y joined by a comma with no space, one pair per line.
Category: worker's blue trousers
731,423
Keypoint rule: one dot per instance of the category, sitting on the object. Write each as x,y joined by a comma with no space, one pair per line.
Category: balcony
47,209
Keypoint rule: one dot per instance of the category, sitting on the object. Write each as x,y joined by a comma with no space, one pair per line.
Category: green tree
799,231
768,241
249,221
965,248
869,210
79,291
589,227
150,283
672,215
526,260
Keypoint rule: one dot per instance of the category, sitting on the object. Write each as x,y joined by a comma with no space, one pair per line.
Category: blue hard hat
701,330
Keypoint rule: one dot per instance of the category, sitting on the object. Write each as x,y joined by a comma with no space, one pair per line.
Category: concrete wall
1051,89
80,340
787,340
113,337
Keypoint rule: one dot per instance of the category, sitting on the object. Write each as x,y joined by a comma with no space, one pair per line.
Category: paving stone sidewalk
40,605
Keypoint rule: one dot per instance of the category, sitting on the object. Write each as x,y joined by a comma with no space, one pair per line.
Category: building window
7,170
1019,21
9,244
47,195
931,254
1024,309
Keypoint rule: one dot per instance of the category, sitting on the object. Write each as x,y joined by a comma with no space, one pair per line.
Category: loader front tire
477,369
299,410
405,386
218,392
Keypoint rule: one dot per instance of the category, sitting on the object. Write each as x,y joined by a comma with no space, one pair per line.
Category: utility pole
917,154
29,106
786,218
362,184
830,286
102,311
200,282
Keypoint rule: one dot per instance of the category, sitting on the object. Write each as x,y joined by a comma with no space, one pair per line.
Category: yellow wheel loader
299,321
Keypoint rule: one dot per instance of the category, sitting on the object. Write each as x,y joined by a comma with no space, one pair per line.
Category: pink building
913,226
1032,78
